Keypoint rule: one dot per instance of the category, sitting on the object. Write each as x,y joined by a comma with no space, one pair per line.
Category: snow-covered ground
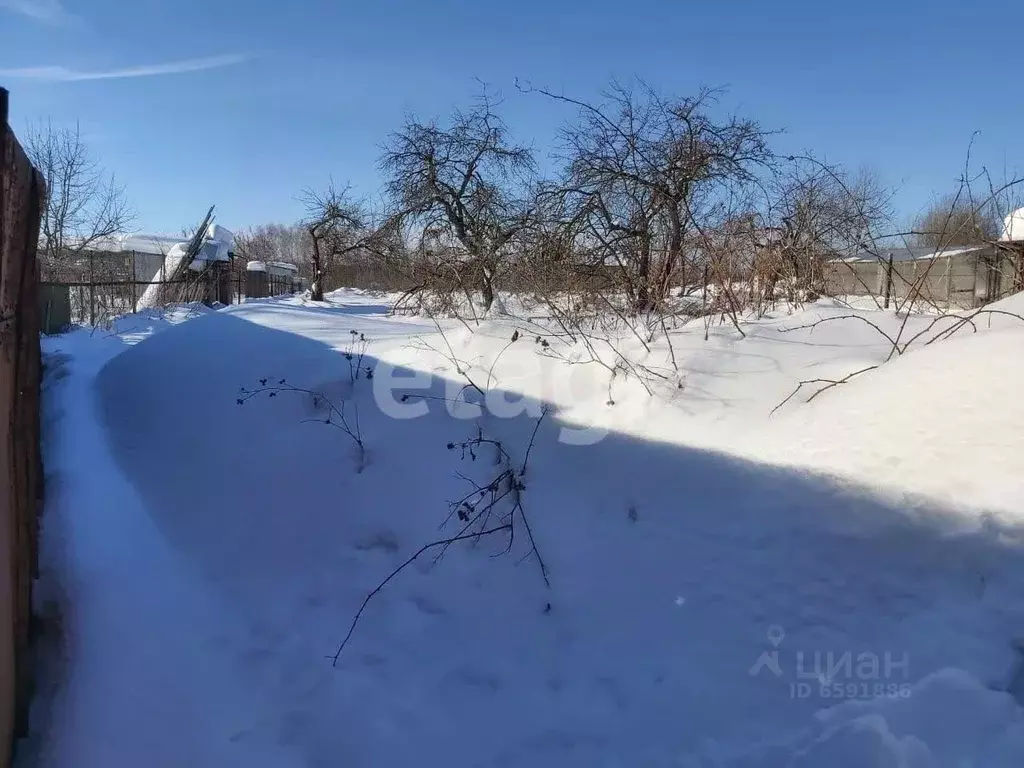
835,584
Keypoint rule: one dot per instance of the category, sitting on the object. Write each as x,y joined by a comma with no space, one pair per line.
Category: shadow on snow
668,564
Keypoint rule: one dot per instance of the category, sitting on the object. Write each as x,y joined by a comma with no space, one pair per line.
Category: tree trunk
487,287
643,292
888,281
673,257
316,290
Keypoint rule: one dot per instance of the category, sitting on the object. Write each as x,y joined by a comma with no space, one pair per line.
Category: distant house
952,277
145,258
119,274
153,256
215,249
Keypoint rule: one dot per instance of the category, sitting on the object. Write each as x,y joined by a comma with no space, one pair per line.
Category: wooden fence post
888,281
135,301
92,288
949,283
8,617
221,279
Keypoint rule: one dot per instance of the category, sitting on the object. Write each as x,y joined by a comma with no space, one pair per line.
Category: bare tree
653,176
337,226
825,210
275,242
821,212
84,205
465,186
255,245
956,220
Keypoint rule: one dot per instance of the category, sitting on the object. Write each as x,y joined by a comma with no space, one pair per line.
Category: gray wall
959,281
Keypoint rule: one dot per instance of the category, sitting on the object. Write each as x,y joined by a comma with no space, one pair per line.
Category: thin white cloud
65,75
46,11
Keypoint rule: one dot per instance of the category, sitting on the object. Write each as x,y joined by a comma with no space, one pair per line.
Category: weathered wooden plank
7,672
20,467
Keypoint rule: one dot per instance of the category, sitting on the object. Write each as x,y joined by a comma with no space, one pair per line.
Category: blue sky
197,102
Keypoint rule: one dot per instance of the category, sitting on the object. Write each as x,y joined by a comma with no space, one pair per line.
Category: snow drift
675,568
944,420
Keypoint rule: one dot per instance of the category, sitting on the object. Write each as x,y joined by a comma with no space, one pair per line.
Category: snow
139,242
217,246
834,584
914,253
219,234
899,424
913,731
1013,226
125,630
219,240
151,296
274,267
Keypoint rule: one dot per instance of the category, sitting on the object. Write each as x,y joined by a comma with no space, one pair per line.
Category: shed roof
273,267
913,253
158,245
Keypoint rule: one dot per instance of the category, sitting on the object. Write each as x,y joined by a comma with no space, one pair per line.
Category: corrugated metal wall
958,281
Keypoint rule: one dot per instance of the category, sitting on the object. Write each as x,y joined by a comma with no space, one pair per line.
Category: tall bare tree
653,176
466,184
337,226
824,211
275,242
84,204
956,220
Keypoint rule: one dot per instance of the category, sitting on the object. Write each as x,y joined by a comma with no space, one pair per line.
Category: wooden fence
21,194
261,284
94,287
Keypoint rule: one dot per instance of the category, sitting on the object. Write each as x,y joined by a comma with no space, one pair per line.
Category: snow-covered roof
913,253
139,242
217,245
161,245
1013,227
273,267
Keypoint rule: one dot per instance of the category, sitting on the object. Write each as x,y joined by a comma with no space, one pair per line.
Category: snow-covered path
148,679
211,555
